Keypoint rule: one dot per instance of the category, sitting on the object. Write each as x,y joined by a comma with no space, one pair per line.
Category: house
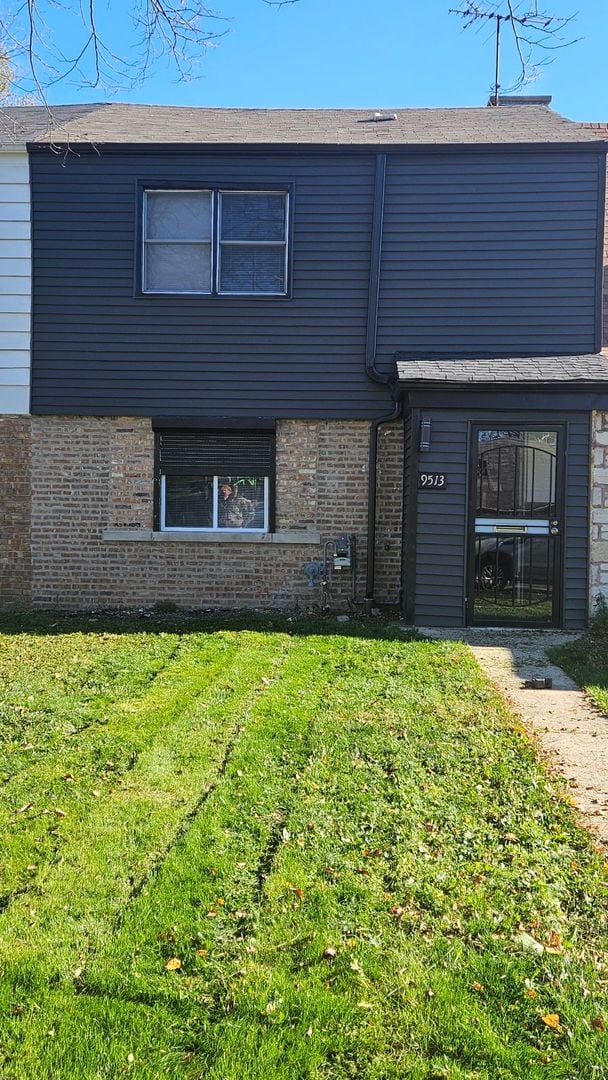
277,355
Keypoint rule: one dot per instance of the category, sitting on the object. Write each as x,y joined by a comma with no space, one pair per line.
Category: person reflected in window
235,510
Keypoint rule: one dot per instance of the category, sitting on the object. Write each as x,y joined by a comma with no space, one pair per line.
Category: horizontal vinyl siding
15,283
492,254
441,525
482,252
98,348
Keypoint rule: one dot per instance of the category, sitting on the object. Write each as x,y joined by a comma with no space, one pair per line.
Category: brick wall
15,560
389,512
73,477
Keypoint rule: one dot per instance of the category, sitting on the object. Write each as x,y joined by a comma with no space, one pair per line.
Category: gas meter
343,552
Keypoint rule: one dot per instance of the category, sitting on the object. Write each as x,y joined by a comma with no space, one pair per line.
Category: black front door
514,558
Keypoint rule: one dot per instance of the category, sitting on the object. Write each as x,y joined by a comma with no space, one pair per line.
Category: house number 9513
434,481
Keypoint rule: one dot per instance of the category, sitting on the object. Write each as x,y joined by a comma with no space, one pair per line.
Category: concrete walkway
570,729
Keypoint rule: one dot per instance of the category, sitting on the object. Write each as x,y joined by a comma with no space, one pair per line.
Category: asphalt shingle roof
590,368
114,123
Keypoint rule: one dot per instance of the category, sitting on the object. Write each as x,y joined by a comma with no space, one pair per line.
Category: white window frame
215,511
215,243
284,243
145,241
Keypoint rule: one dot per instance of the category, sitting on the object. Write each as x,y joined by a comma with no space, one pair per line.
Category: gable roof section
113,124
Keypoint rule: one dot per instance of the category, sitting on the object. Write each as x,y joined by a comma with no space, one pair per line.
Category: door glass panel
515,526
516,473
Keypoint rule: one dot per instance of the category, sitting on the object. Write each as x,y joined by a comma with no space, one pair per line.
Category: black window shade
209,453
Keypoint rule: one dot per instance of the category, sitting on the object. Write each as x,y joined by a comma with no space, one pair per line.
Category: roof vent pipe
380,116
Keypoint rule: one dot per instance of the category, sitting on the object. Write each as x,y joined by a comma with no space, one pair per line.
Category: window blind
215,453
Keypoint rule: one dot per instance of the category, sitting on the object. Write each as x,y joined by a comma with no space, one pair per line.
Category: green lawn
279,850
586,660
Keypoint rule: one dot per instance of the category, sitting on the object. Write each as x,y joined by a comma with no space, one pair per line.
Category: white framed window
215,481
214,503
215,242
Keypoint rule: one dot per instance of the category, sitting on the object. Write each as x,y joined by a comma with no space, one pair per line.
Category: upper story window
215,242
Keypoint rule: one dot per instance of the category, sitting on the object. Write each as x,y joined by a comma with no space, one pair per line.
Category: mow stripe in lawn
360,962
381,883
206,893
98,757
56,684
71,907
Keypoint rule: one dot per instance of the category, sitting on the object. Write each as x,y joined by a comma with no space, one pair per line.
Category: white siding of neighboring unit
15,282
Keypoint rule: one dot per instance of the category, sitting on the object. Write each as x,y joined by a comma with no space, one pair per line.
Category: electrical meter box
343,552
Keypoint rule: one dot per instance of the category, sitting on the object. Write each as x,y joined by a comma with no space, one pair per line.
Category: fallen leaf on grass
554,944
397,911
330,953
202,952
478,987
60,813
212,913
173,964
364,1005
531,992
552,1021
309,1033
598,1023
22,809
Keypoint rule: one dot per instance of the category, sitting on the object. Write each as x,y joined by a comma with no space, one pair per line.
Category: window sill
291,536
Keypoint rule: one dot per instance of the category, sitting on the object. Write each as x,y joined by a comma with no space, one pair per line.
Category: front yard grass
586,660
272,849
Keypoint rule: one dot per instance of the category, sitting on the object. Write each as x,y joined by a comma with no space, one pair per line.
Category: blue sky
368,53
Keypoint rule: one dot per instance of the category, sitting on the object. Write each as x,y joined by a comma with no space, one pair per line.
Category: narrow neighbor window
215,242
215,481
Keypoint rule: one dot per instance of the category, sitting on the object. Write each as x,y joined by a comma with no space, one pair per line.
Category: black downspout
371,370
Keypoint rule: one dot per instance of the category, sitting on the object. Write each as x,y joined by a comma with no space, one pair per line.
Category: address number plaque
432,481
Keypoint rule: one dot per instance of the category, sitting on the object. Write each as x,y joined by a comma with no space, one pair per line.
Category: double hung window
215,242
215,481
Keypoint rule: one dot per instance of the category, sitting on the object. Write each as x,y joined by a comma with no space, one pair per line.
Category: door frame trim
523,423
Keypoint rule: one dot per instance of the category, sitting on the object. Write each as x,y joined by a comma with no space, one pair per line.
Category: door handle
554,528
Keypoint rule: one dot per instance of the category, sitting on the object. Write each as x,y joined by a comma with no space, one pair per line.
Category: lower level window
215,480
214,502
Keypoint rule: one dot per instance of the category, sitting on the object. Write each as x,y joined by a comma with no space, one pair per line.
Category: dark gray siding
483,252
100,349
442,525
492,254
441,541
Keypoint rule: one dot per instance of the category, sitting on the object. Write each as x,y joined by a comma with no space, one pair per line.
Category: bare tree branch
532,31
173,32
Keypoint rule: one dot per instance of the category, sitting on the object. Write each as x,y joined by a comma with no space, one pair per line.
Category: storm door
515,536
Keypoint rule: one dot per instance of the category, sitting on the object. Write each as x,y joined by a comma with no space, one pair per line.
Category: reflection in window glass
240,503
516,474
188,502
214,502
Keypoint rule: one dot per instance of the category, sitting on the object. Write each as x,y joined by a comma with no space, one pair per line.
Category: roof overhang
576,382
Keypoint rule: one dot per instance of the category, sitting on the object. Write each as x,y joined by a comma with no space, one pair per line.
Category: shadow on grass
586,659
294,623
